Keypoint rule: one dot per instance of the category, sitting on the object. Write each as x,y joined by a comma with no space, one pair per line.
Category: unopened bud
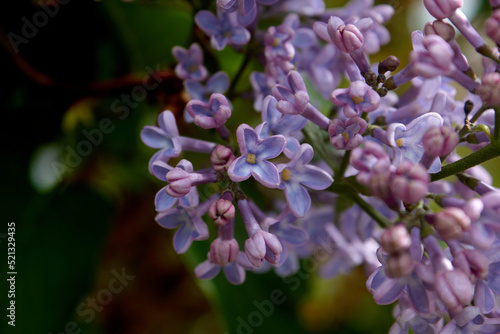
395,239
492,26
221,158
179,182
489,89
223,252
451,222
440,141
440,28
399,265
221,212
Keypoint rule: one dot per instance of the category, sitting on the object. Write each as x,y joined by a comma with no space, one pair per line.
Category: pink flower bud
221,158
410,182
348,38
439,141
395,239
223,252
221,212
454,289
489,89
442,9
451,222
472,262
179,182
263,245
492,26
399,265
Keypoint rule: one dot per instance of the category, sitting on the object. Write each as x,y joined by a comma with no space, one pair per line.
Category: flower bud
489,89
221,212
221,158
395,239
223,252
439,141
399,265
263,245
454,289
410,182
442,9
492,26
348,38
179,182
472,261
451,222
440,28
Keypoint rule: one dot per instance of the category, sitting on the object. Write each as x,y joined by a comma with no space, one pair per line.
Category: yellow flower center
286,174
357,99
276,42
345,135
251,158
399,142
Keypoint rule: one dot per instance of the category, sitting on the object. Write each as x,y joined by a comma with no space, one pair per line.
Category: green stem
238,75
496,134
486,153
479,113
344,164
342,188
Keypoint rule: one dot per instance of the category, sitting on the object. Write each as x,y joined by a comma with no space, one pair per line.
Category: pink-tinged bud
223,252
489,89
439,141
390,64
348,38
395,239
442,9
399,265
454,289
179,182
492,26
379,183
472,262
440,28
221,158
221,212
410,182
263,245
451,222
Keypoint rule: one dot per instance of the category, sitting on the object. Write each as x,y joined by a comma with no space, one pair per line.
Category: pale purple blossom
348,135
223,29
254,156
358,98
190,63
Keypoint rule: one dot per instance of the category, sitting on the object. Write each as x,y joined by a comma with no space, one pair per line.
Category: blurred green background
89,256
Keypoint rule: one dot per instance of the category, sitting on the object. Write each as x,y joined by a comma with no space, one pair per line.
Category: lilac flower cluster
429,243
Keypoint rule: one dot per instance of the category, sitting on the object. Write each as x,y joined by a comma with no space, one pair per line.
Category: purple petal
235,273
164,201
160,170
167,122
314,177
418,295
271,147
171,218
207,22
183,238
321,29
155,137
266,173
484,298
218,83
206,270
240,169
297,197
296,81
239,36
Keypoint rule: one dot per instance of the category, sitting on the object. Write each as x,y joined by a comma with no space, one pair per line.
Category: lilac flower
188,220
492,26
213,114
260,89
180,181
217,83
277,43
223,29
489,90
261,244
325,69
410,182
298,173
234,271
348,135
406,140
275,123
190,63
254,156
359,97
247,9
163,201
347,37
470,320
295,100
166,138
442,9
